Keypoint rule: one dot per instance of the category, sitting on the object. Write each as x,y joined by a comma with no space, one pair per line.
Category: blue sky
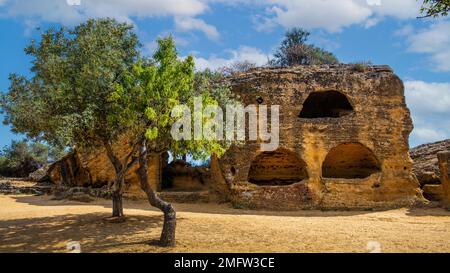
219,32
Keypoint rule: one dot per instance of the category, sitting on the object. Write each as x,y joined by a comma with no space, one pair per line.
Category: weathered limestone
444,162
94,169
425,165
343,141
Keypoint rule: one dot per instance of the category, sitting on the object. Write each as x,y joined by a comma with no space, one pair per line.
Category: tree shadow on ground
52,234
202,208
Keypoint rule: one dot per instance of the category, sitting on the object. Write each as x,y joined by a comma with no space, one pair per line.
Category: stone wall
444,167
343,141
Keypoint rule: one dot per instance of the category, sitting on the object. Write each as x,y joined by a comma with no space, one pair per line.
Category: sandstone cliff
426,168
344,134
425,159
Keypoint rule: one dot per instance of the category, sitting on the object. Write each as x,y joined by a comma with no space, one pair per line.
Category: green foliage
294,51
154,87
22,158
89,87
76,72
435,8
361,66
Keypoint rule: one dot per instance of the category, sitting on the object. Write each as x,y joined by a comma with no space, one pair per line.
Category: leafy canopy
154,88
435,8
294,51
21,158
76,71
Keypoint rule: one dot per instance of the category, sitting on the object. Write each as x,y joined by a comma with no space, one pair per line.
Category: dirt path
38,224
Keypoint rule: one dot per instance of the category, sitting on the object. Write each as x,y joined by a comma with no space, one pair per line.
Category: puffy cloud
430,108
433,40
61,11
189,23
428,97
424,135
243,53
71,12
332,15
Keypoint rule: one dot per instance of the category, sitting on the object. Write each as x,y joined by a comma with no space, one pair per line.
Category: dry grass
38,224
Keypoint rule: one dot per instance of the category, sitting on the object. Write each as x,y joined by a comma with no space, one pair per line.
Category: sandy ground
38,224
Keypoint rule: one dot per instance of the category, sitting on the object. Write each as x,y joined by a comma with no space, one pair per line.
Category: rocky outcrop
40,175
426,166
343,141
444,167
94,169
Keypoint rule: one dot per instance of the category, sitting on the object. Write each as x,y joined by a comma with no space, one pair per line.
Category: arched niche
277,168
326,104
350,161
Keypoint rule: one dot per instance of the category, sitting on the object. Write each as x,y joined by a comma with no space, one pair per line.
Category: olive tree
67,101
157,87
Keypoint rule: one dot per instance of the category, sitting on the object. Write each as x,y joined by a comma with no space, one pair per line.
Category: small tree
20,158
158,86
68,100
294,51
435,8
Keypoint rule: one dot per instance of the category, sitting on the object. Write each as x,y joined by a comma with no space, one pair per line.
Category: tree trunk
120,168
170,221
117,205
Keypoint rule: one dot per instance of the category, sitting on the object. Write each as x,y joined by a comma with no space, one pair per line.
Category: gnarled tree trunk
117,199
170,221
120,168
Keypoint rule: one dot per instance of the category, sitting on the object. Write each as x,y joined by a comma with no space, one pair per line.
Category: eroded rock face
444,168
426,166
94,169
348,130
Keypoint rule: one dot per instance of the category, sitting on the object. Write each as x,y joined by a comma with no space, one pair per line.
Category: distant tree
56,153
68,101
435,8
152,90
20,158
294,51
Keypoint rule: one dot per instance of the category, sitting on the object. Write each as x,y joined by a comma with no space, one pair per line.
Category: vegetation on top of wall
295,51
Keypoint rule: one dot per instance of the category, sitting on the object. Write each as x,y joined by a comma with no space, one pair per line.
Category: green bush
22,158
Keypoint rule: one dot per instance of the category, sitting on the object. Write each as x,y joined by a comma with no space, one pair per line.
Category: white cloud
60,11
45,9
243,53
428,97
332,15
189,23
435,41
430,109
424,135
